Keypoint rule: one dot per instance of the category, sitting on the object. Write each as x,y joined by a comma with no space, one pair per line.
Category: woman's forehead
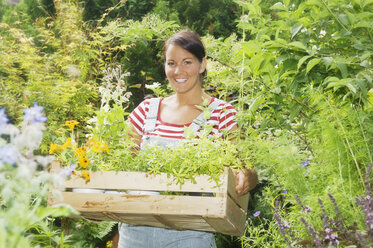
176,52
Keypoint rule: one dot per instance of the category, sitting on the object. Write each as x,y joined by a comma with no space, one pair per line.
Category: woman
162,121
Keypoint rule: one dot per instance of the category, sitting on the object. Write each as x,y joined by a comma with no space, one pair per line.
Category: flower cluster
114,88
334,232
21,142
24,180
79,157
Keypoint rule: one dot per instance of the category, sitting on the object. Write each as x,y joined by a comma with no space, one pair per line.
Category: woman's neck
192,98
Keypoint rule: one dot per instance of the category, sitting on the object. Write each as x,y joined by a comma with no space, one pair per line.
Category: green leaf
295,29
365,55
298,44
256,103
344,19
351,87
288,73
342,68
61,210
276,90
302,60
327,61
279,6
331,79
358,45
365,64
335,85
250,47
312,63
248,6
363,24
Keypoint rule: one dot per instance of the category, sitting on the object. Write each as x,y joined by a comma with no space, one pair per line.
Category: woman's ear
203,66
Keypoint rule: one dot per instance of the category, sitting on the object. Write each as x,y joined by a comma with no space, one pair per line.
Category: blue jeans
131,236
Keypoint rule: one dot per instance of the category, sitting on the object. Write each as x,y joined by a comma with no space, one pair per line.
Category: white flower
244,18
322,33
34,114
8,154
30,137
153,86
10,130
3,118
45,161
73,71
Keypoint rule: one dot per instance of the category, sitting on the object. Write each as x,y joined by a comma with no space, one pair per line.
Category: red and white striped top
222,118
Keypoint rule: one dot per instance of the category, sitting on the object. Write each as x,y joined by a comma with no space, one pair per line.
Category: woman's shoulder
148,101
222,105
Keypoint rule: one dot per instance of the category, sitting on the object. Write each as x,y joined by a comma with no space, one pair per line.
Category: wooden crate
223,212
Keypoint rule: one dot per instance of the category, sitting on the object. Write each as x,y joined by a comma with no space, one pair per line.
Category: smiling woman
183,69
163,121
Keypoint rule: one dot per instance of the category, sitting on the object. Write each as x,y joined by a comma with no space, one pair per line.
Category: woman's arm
246,179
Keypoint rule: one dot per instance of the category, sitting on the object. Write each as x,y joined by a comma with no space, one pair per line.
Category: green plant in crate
185,161
191,158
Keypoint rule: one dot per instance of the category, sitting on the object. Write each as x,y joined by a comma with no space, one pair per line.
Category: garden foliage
299,72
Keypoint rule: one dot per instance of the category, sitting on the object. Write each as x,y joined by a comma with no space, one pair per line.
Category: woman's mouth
181,80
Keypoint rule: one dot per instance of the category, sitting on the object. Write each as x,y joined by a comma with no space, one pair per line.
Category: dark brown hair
189,41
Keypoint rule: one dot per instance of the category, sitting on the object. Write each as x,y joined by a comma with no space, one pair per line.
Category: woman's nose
177,69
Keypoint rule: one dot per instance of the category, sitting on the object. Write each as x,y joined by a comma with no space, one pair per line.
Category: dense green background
299,72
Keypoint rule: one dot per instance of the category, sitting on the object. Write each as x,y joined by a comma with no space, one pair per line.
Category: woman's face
183,69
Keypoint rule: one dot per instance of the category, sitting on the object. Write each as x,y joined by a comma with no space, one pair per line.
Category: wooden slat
243,200
167,223
145,204
111,180
233,223
236,216
225,212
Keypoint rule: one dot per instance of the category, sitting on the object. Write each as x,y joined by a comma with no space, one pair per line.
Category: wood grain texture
223,211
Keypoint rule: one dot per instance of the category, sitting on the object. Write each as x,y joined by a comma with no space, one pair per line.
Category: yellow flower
109,244
55,148
67,144
83,161
85,175
106,148
71,124
90,142
80,151
100,147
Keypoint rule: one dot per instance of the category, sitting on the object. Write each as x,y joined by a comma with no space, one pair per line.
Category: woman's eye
170,63
187,62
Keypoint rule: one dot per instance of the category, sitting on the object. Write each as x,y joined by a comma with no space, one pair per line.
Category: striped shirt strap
199,121
151,116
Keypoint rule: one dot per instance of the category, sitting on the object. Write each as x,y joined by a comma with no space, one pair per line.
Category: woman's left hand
246,180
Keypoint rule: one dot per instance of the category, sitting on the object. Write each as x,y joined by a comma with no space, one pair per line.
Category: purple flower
3,119
34,114
332,237
66,171
8,155
256,214
307,209
286,225
305,163
284,192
